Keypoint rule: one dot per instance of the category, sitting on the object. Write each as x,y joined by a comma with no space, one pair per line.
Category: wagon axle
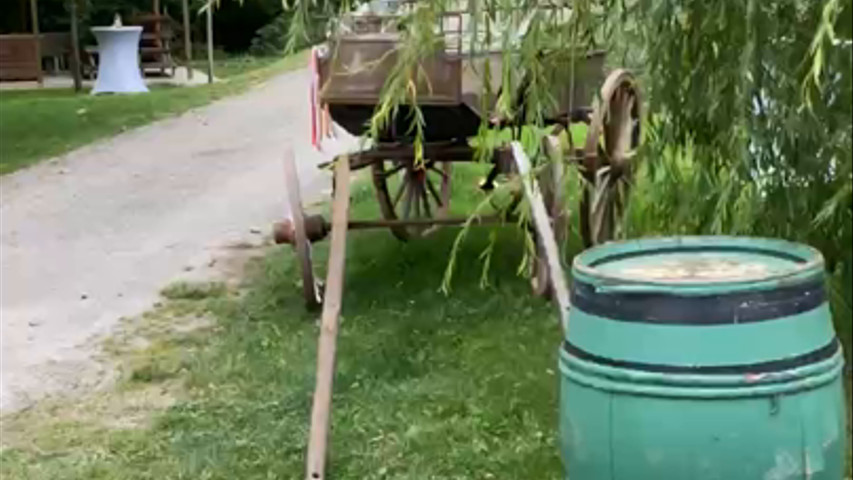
317,228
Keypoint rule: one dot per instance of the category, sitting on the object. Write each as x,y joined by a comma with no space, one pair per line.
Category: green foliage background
751,106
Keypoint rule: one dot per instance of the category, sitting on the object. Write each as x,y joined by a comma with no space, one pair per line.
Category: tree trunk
188,46
210,43
75,48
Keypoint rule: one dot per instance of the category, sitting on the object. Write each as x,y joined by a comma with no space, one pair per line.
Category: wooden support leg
318,437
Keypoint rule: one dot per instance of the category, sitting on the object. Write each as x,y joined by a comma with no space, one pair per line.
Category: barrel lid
697,263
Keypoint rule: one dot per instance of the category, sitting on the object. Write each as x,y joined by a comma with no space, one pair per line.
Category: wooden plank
155,65
320,412
542,223
153,50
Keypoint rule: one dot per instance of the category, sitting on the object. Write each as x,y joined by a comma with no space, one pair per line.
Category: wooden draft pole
210,42
75,48
188,46
326,344
34,10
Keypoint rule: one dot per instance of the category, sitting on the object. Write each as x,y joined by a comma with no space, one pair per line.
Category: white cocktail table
118,60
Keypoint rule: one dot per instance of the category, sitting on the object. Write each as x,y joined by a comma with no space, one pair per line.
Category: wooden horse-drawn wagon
412,180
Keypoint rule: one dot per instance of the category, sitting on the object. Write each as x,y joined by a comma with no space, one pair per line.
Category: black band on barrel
822,353
717,309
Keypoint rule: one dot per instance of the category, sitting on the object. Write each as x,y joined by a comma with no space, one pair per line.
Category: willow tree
751,126
749,102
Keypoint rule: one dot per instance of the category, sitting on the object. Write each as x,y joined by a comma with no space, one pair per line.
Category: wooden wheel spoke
617,204
427,209
416,189
407,205
632,102
394,170
434,192
602,204
445,186
436,170
400,190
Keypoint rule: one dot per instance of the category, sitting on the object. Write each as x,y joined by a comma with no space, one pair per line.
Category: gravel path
92,236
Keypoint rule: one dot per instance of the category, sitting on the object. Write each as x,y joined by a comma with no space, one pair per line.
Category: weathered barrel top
708,304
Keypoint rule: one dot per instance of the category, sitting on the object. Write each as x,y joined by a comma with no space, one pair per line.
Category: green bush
271,38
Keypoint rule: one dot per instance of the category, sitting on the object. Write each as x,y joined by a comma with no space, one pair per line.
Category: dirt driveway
93,236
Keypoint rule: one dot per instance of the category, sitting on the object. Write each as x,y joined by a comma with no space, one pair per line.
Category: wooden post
188,46
327,343
37,35
75,48
210,42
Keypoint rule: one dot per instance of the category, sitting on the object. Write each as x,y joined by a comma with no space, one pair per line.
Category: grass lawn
38,124
231,66
428,386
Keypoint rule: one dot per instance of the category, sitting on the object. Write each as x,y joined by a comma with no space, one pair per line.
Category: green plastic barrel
701,358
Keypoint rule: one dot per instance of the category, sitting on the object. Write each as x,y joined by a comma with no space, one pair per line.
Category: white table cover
118,60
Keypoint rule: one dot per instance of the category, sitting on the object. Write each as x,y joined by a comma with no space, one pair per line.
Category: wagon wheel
609,153
421,192
311,290
550,182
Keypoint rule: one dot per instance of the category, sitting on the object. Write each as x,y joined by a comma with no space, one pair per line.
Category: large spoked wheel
419,192
611,145
549,180
311,290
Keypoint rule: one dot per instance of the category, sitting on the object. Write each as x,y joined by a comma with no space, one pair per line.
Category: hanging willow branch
750,101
